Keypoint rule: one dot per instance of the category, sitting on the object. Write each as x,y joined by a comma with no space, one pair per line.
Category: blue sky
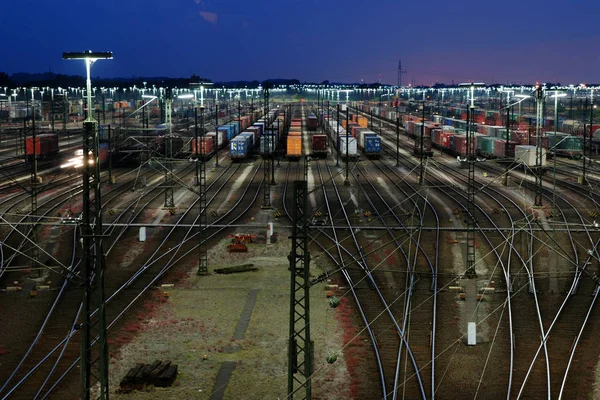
516,41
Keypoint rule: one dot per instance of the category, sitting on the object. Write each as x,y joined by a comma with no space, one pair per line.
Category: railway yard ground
393,251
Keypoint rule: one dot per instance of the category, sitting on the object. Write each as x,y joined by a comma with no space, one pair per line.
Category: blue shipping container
250,137
372,144
229,132
239,148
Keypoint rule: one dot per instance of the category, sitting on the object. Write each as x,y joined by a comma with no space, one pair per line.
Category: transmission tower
267,158
300,347
94,364
400,73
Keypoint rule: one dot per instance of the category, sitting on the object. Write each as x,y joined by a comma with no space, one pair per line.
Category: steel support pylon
471,221
34,202
300,347
539,97
267,158
94,363
202,245
169,202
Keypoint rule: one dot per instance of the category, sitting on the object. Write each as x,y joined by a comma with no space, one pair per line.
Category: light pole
92,364
556,94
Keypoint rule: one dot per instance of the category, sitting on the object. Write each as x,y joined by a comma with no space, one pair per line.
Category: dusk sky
519,41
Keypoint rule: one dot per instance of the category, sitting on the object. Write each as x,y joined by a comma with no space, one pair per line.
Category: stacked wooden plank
159,373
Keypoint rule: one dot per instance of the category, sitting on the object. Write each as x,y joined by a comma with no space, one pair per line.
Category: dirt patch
194,328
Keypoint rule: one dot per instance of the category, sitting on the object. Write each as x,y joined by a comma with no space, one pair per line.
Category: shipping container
525,154
161,145
500,149
294,146
250,137
426,145
219,138
319,145
239,147
349,141
46,146
312,122
570,146
205,145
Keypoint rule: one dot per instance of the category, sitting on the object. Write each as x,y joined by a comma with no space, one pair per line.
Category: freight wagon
319,145
294,147
239,148
349,142
46,146
369,142
161,145
102,154
206,146
427,151
312,122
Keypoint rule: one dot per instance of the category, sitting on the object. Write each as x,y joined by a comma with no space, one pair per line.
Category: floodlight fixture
90,57
186,96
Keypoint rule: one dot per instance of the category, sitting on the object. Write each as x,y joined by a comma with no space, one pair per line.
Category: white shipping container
361,137
352,150
471,334
342,107
525,154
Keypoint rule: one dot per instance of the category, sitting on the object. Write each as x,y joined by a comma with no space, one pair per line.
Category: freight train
448,133
248,142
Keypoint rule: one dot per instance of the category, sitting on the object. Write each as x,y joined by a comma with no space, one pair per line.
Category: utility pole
300,346
267,158
94,364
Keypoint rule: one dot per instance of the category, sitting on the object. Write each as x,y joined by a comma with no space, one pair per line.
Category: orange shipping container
294,146
208,145
363,121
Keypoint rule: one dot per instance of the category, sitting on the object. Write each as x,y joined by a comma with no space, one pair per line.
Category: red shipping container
208,145
319,143
460,145
445,139
435,136
500,149
533,141
45,145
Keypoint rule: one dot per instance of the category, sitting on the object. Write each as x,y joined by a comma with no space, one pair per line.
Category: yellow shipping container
363,121
294,146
